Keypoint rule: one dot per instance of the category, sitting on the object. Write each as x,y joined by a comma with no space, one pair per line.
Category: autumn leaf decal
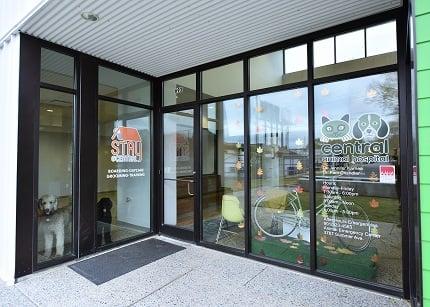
299,189
260,172
373,176
375,258
324,167
238,165
374,203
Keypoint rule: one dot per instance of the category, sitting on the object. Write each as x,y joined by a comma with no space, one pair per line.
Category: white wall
12,12
9,81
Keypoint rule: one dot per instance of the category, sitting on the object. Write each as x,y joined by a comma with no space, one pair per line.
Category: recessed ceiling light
49,110
88,16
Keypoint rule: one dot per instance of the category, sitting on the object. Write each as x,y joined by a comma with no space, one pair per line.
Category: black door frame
86,95
409,216
171,230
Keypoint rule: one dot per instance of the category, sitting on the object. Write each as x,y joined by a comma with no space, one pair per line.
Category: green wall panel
422,23
422,7
425,198
423,83
423,55
426,255
424,169
424,142
422,32
425,226
424,113
426,285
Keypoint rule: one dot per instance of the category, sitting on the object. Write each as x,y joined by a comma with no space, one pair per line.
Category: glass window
178,133
55,197
350,46
357,179
223,185
266,70
116,84
324,52
381,39
124,172
296,64
279,176
224,80
179,90
350,51
57,68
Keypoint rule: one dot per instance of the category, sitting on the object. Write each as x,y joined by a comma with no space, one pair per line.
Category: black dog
104,216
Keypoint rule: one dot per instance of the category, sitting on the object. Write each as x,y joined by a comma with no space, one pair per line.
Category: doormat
105,267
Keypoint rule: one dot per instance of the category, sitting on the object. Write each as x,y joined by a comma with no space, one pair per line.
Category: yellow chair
230,212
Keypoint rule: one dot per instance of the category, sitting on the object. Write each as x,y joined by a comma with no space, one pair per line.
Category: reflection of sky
233,120
280,112
336,99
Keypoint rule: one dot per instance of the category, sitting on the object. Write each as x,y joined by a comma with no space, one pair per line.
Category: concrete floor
196,276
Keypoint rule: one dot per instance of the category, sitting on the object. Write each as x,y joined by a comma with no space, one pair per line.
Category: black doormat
108,266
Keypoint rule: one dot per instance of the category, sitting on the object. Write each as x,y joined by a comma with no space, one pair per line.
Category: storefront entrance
179,175
294,154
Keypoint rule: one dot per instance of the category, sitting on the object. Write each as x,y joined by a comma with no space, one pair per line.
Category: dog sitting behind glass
53,222
104,220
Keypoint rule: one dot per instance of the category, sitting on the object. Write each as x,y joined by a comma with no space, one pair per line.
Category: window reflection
324,52
381,39
266,70
124,184
57,68
116,84
179,90
223,173
223,80
358,50
357,179
178,136
350,46
55,200
280,175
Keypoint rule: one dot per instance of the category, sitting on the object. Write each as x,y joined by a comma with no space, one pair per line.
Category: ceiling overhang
163,36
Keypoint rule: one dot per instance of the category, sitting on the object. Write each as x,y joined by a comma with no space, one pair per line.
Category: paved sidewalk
195,276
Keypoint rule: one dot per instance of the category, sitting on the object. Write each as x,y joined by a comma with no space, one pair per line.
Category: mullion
124,102
311,158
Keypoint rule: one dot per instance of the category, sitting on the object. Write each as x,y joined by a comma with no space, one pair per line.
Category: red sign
387,174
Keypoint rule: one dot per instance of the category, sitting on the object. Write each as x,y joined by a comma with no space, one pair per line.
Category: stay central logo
370,133
126,145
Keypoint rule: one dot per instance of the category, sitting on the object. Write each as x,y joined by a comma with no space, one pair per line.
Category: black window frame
86,144
401,16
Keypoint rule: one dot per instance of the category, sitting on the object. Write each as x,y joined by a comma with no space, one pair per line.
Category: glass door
179,173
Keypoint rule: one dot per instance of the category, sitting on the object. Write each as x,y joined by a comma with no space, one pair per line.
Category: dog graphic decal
336,129
370,126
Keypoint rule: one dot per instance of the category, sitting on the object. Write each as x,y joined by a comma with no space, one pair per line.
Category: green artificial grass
361,265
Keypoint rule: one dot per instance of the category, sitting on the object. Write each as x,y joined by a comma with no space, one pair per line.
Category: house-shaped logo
126,145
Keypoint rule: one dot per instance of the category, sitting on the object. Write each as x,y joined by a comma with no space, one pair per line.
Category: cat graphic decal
335,129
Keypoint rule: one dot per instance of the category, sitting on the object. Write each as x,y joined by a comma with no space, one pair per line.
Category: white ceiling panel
163,36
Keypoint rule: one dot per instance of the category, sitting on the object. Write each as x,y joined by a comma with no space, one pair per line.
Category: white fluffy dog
53,222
